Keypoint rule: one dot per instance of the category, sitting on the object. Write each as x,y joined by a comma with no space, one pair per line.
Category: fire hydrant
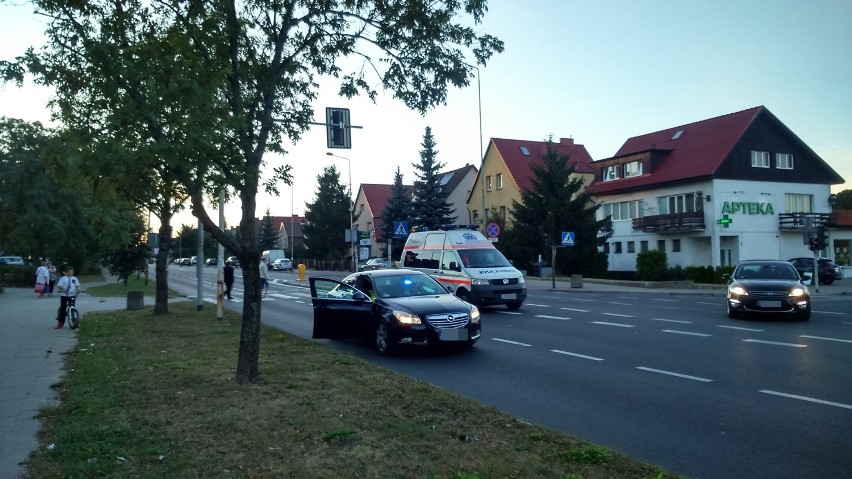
302,269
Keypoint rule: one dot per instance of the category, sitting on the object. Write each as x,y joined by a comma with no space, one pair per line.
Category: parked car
829,272
12,260
394,307
376,263
235,262
211,261
282,264
186,262
767,287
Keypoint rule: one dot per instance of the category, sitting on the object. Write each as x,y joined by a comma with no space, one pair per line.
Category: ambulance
467,264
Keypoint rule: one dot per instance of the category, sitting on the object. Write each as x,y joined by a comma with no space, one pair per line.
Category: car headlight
406,318
739,290
479,282
797,292
521,280
474,314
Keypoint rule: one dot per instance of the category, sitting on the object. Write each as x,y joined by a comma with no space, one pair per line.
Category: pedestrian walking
42,279
51,269
228,272
68,286
264,278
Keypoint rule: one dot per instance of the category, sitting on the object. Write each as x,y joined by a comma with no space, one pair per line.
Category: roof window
525,151
677,135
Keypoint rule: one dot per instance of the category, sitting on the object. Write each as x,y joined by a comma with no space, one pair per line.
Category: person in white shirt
264,278
68,287
42,279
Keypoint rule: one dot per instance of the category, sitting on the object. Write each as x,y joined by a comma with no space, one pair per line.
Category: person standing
42,279
68,286
228,272
264,278
51,269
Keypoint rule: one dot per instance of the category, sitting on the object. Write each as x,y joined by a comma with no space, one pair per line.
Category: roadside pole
220,260
199,267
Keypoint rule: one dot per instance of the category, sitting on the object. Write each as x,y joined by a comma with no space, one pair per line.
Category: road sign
567,238
492,230
725,221
400,229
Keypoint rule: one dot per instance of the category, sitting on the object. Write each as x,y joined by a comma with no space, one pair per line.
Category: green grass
148,396
134,283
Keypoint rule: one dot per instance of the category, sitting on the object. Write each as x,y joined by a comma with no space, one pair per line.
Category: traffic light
813,244
338,128
823,239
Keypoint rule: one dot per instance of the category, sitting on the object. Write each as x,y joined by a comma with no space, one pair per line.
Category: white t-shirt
42,275
70,284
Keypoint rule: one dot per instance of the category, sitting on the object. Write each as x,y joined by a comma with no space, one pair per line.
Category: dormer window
760,159
633,168
609,173
784,161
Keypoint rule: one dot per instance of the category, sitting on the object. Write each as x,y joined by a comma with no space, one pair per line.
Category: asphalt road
667,379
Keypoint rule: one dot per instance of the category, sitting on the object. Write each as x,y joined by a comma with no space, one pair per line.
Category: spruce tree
429,203
268,235
398,208
328,218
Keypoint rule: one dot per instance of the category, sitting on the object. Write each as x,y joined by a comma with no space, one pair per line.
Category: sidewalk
31,361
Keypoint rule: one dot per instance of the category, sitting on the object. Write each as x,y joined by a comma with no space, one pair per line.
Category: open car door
340,311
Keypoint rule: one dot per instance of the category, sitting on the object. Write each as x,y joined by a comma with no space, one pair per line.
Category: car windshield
407,285
780,271
483,258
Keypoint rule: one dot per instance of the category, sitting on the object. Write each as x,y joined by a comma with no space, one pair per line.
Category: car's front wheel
732,313
464,295
514,306
384,345
804,315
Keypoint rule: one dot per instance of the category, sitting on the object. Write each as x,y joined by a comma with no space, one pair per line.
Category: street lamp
351,207
481,158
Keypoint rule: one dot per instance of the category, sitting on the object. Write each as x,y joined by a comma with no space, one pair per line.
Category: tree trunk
161,301
247,369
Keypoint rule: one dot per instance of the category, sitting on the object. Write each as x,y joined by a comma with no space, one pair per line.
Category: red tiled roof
697,152
518,163
843,218
377,197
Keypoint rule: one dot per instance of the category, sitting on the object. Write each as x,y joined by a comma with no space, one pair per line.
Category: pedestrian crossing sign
567,238
400,229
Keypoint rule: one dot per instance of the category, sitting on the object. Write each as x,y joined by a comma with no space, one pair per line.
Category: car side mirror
359,296
726,276
807,277
449,288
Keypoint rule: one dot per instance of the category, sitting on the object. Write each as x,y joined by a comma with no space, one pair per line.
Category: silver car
282,264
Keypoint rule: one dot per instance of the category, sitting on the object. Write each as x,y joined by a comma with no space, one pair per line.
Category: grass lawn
155,397
134,283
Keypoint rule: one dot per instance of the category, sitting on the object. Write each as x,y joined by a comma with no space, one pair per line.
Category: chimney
566,141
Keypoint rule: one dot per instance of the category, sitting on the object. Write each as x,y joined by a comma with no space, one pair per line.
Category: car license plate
769,304
509,296
453,334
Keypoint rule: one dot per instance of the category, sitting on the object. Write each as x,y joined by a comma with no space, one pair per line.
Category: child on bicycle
68,286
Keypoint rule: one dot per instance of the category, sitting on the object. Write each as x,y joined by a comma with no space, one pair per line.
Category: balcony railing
802,221
678,222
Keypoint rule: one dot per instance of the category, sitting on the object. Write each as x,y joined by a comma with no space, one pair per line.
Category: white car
15,260
282,264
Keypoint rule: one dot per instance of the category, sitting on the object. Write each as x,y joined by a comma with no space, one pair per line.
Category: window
525,151
631,246
475,216
760,159
794,203
784,161
661,245
676,245
685,203
503,213
606,248
499,181
643,246
361,208
616,247
623,211
633,168
609,173
677,134
488,183
486,214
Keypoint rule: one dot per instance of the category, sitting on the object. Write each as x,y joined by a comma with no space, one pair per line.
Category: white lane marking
669,373
619,315
508,312
665,300
826,339
539,305
584,300
671,320
281,296
299,301
576,355
705,302
805,398
578,310
511,342
830,312
620,325
688,333
740,329
620,304
551,317
775,343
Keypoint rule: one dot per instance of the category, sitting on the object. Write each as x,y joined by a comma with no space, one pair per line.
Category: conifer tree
328,218
268,235
398,208
429,203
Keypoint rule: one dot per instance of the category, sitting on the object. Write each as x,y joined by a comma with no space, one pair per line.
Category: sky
599,72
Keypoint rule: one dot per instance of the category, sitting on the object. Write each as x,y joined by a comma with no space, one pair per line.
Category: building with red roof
714,192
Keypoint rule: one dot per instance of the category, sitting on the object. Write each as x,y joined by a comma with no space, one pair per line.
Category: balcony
674,223
803,221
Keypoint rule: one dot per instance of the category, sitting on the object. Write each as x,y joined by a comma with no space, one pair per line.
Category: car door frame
340,318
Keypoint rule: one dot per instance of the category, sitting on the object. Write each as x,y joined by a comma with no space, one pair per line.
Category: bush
651,265
707,274
17,276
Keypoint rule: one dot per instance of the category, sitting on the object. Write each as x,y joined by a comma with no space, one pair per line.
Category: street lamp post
351,207
481,158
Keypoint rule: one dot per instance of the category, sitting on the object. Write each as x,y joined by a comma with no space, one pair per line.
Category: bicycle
71,313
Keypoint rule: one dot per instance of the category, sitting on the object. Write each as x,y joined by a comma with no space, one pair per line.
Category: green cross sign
725,221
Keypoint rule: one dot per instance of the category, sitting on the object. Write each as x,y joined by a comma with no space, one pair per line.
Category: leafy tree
211,86
328,217
131,257
558,202
844,200
429,203
268,234
398,208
